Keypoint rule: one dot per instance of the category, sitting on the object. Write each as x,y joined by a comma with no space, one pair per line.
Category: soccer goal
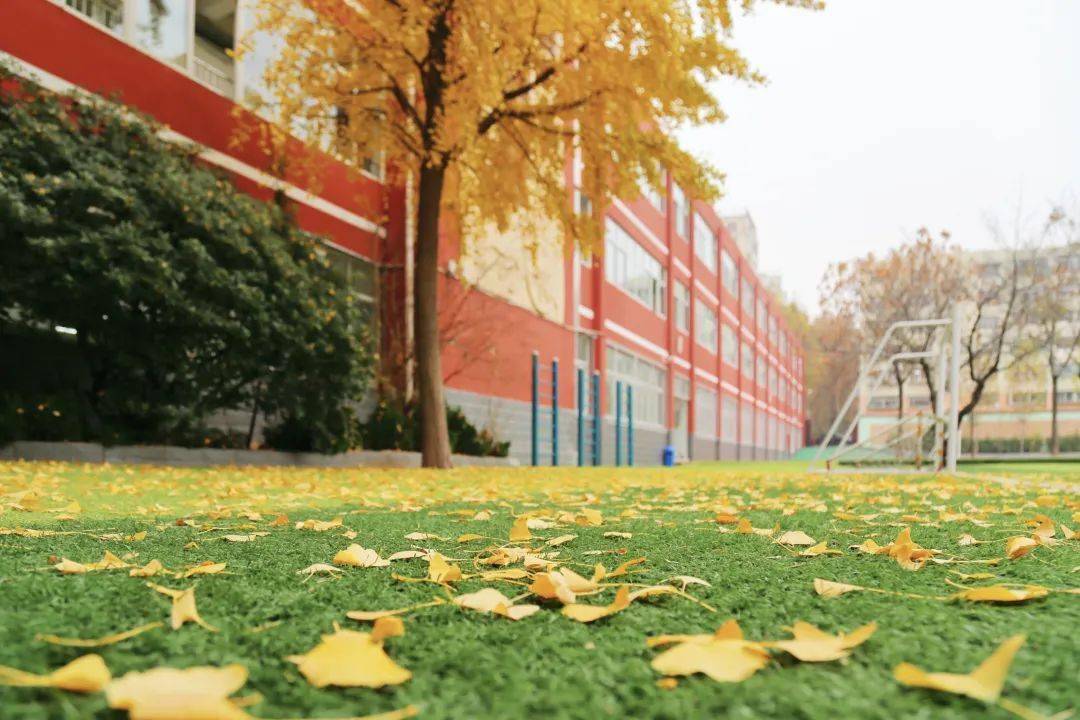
918,441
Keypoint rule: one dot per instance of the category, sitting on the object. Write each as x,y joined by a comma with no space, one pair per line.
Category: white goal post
944,421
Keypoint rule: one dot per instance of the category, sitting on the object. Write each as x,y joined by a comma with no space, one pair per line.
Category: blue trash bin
669,455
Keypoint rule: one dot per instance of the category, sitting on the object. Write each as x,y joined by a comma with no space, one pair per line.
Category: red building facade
669,306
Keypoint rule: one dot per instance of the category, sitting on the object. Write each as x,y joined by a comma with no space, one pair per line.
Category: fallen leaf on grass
490,600
983,683
796,537
590,613
356,556
371,615
107,562
418,536
520,530
830,589
86,674
1019,546
204,568
441,571
318,525
469,537
616,534
150,569
560,540
407,555
1002,593
319,569
810,644
170,694
251,537
183,607
348,658
822,548
723,656
98,642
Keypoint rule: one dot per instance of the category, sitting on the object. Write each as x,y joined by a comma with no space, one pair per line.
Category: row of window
635,271
648,381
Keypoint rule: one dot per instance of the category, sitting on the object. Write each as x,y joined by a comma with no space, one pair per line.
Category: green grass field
469,665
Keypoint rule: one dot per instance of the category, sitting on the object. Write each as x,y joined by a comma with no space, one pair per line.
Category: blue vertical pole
618,423
580,417
596,454
555,411
535,408
629,424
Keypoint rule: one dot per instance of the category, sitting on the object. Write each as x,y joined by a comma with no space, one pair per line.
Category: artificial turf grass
467,665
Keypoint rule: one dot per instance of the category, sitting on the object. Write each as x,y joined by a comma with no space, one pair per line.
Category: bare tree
1055,328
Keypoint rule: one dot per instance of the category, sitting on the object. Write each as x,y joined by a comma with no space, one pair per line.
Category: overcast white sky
881,116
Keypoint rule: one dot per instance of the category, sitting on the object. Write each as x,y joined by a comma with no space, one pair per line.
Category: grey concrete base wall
195,457
704,449
512,420
729,451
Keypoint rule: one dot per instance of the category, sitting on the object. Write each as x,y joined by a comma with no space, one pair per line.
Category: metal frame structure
944,423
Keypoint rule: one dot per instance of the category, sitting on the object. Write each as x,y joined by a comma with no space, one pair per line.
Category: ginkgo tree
483,104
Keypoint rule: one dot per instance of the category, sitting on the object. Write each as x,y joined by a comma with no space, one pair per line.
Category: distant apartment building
671,305
1016,403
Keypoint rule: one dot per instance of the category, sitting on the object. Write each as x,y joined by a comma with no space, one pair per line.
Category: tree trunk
434,436
1055,446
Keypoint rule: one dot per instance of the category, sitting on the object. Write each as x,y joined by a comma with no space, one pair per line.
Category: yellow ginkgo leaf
617,534
809,644
1019,546
589,613
441,571
318,525
469,537
983,683
183,607
490,600
319,569
150,569
552,585
724,656
371,615
589,517
98,642
796,537
356,556
86,674
830,589
169,694
520,530
419,536
204,568
1002,593
822,548
407,555
349,659
560,540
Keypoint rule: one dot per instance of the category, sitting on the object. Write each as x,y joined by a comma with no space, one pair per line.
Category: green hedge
180,295
1067,443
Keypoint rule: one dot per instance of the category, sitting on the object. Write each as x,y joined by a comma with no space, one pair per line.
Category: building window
760,440
748,299
629,267
762,373
682,212
162,28
729,346
360,279
747,361
705,326
656,197
704,242
704,412
682,306
773,384
762,315
772,330
729,274
729,420
109,13
647,380
783,344
215,22
746,425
